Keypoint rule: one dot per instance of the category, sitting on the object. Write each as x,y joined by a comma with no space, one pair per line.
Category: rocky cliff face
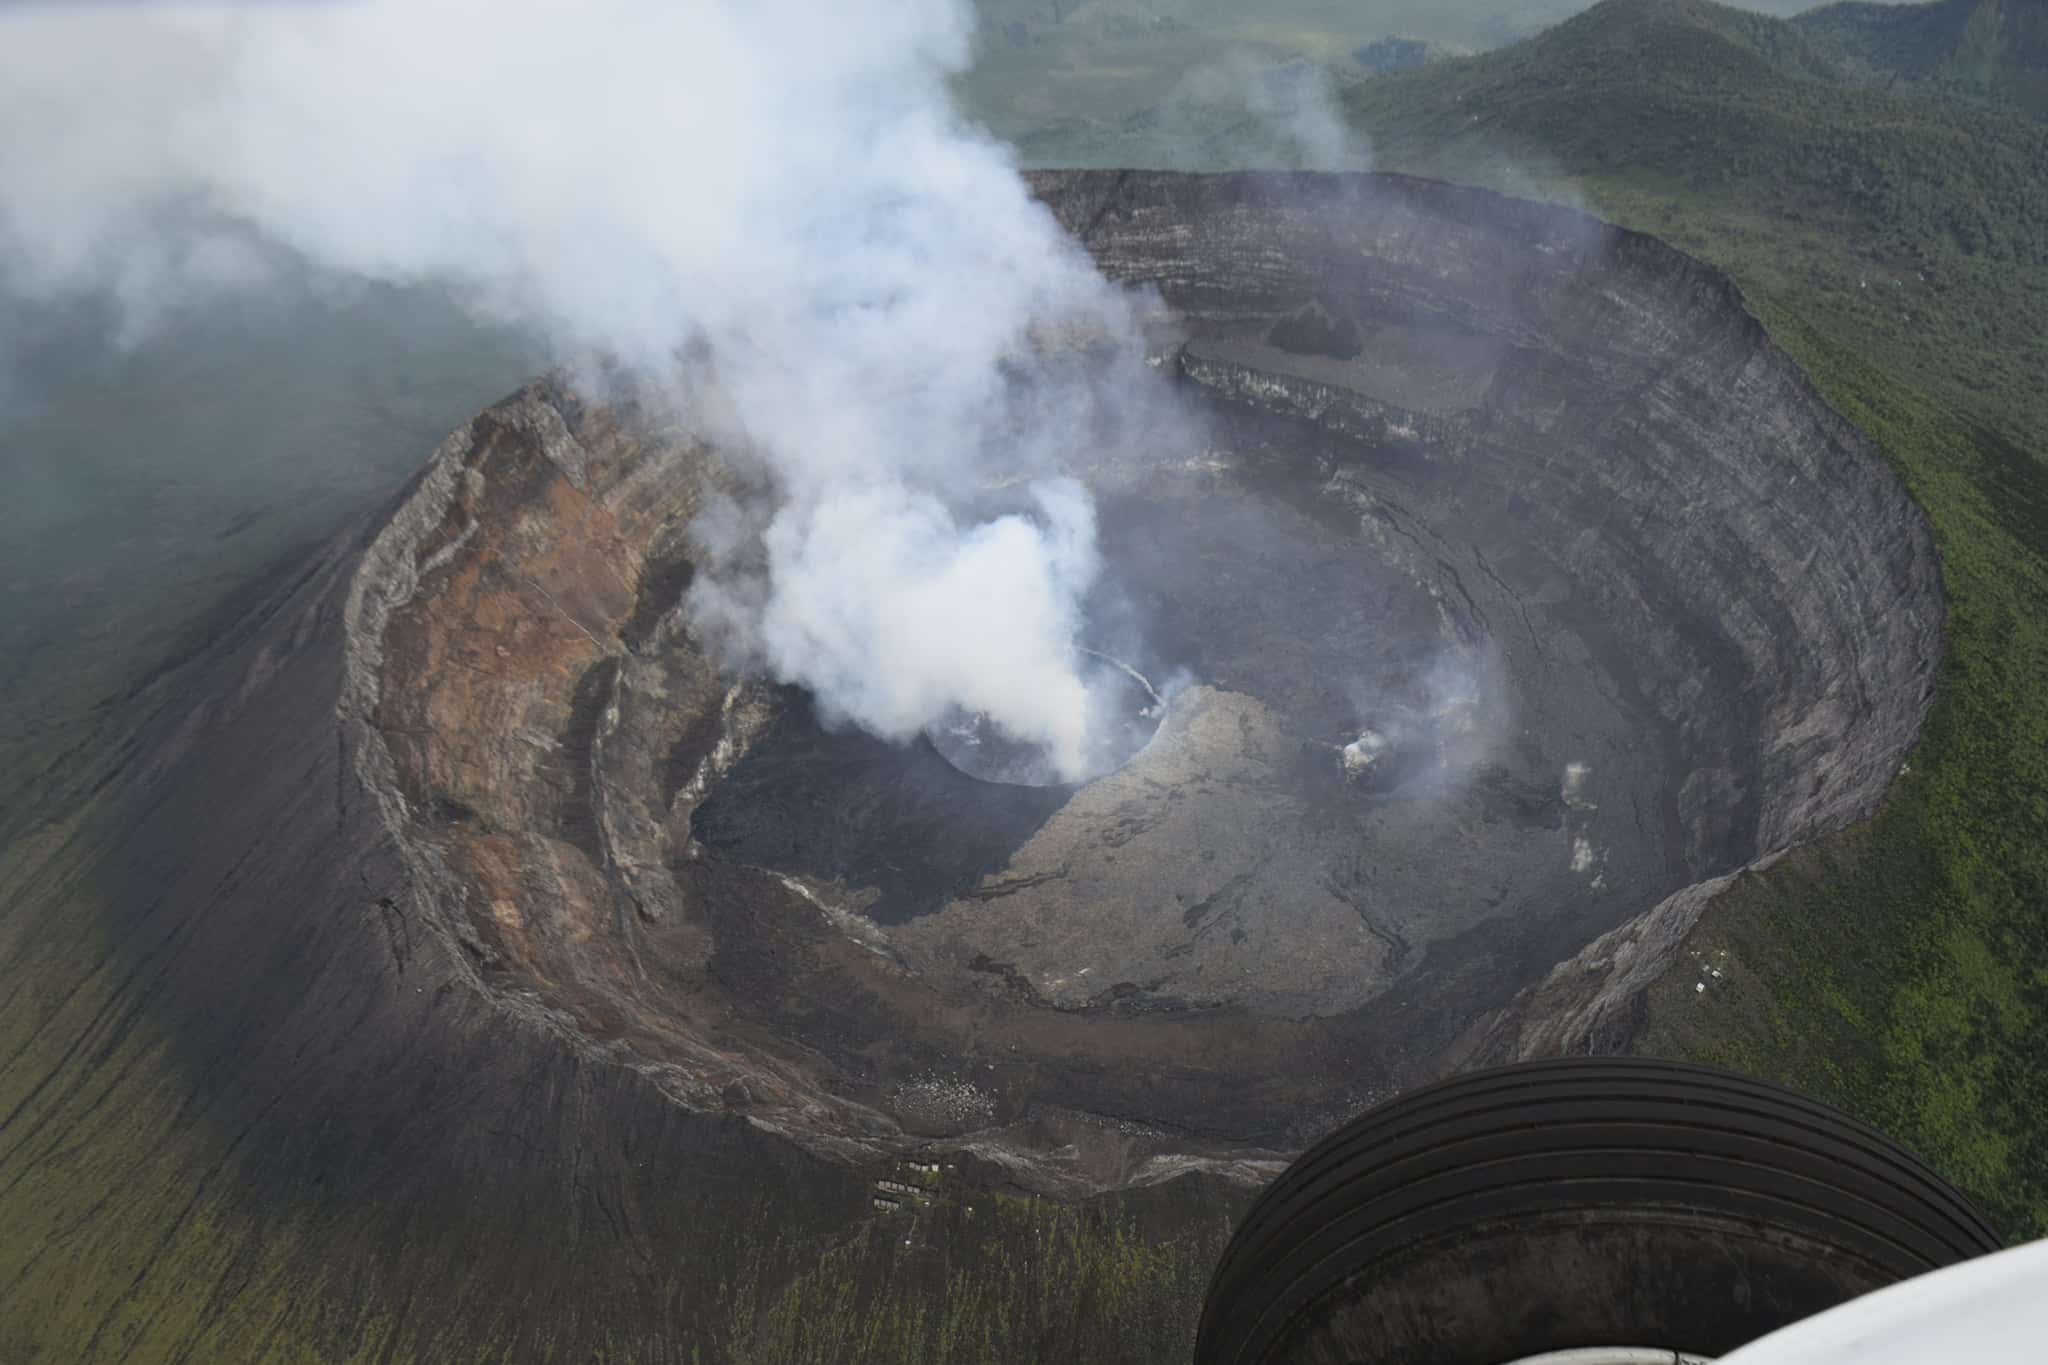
1609,409
1673,465
1533,501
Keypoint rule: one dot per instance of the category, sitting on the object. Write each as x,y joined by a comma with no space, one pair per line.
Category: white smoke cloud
890,572
780,186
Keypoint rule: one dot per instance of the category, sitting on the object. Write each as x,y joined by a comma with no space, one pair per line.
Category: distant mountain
1068,80
1470,24
1467,24
1918,224
1991,51
1703,98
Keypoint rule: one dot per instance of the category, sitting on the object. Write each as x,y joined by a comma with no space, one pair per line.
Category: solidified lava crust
1519,591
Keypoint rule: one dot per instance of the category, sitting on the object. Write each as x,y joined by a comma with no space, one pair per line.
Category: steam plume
1239,111
780,186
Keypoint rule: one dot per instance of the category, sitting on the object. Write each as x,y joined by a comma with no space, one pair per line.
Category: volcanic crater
1515,591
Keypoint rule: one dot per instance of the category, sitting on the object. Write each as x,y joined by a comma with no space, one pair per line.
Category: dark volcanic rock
1634,419
1625,421
842,806
1310,330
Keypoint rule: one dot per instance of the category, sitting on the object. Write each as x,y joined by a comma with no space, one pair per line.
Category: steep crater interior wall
1605,405
1561,454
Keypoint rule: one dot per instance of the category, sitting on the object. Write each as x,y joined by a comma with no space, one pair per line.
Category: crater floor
1249,855
1509,586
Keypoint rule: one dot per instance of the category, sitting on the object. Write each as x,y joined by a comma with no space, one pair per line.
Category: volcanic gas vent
1126,711
1496,581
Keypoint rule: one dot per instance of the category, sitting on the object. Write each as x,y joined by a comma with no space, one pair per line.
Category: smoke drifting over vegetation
1238,111
779,188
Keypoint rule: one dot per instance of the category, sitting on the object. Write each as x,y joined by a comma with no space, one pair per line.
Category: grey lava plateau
1515,593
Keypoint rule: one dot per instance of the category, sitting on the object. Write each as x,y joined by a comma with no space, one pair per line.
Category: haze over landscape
510,909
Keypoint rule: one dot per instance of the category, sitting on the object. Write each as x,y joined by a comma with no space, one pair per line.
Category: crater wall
1600,398
1707,616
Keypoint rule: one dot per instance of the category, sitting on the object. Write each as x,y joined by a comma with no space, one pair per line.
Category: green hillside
1043,65
1048,66
1917,228
1990,51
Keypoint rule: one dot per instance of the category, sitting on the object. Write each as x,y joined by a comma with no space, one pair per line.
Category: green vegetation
135,1231
1067,73
1985,51
1901,970
1043,1281
1054,70
1916,229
